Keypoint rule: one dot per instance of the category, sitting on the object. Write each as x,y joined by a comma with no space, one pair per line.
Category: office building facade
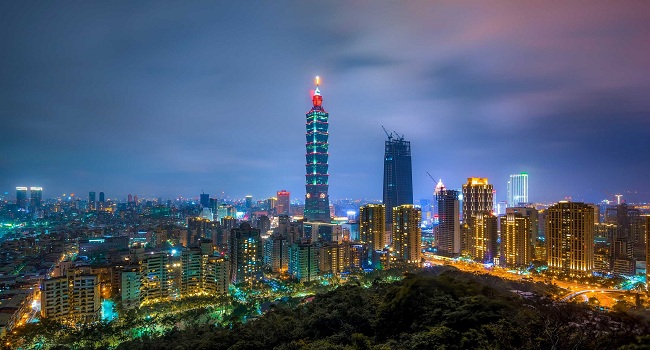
398,178
448,238
517,190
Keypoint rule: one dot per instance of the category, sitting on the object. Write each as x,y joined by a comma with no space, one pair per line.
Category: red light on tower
317,99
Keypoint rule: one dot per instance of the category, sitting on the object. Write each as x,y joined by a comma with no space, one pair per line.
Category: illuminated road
581,292
504,273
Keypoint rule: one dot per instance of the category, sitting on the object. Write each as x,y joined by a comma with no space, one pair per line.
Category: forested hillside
452,310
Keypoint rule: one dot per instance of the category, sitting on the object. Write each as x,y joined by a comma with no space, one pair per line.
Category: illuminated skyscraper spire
317,201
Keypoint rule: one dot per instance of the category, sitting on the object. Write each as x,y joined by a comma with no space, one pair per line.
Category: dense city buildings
407,234
398,178
137,252
570,238
372,225
448,230
317,203
517,190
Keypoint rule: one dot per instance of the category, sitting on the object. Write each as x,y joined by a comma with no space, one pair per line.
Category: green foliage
444,310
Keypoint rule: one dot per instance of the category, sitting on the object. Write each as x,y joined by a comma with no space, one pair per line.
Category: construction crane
432,178
390,136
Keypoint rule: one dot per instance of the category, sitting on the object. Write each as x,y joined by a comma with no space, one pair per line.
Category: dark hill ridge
450,310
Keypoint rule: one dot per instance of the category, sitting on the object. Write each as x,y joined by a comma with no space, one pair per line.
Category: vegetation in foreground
450,310
435,309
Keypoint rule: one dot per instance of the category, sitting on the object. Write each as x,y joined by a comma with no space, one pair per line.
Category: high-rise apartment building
85,298
283,203
570,238
372,225
332,258
533,235
517,189
215,277
482,237
398,178
156,273
130,287
191,260
515,239
21,198
102,199
277,253
246,255
303,262
448,232
55,298
317,203
407,234
74,297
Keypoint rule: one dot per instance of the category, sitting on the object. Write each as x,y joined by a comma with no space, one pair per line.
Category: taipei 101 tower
317,202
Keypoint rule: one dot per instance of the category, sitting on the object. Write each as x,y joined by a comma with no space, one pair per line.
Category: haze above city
171,99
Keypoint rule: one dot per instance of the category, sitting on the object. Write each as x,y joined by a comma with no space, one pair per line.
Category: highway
573,286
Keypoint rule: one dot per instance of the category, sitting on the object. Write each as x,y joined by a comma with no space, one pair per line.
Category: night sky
170,99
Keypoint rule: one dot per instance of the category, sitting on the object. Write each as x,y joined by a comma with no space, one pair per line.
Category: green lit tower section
317,202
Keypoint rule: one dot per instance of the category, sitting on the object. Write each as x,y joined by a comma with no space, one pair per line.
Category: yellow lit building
332,258
570,238
478,197
515,239
372,225
482,237
407,234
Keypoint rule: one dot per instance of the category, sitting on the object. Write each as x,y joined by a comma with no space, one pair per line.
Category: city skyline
155,100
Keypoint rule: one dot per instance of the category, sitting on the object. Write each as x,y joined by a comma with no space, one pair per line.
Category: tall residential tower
570,238
317,202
